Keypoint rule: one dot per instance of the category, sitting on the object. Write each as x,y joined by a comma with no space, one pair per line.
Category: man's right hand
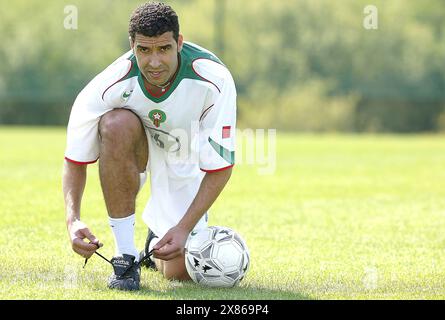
79,231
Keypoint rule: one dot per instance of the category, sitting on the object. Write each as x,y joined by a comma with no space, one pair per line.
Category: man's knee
119,124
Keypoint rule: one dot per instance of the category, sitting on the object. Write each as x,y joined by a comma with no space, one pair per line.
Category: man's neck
158,90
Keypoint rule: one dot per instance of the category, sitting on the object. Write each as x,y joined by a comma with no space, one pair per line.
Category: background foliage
305,65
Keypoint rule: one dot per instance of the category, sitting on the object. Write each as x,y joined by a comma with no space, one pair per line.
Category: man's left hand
172,244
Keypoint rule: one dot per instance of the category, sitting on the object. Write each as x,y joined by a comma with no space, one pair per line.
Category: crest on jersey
157,116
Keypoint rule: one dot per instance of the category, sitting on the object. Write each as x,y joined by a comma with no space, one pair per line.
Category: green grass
343,217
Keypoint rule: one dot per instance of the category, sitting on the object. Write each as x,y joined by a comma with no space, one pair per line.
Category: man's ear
180,42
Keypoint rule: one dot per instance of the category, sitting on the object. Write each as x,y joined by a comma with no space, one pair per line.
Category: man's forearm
73,184
209,190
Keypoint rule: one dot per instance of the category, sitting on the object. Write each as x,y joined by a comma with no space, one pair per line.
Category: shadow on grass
74,282
155,286
188,290
241,293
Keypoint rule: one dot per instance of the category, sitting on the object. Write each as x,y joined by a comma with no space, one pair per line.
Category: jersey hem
80,162
217,170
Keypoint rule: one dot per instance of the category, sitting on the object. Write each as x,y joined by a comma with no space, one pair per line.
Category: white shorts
173,188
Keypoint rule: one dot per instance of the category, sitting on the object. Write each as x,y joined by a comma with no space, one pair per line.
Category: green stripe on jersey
134,71
227,155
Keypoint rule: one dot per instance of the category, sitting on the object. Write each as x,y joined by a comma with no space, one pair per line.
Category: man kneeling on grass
167,107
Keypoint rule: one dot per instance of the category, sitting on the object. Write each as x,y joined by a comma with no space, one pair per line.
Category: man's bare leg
173,269
123,155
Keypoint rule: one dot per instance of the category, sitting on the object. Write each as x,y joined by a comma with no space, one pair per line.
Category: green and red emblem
157,116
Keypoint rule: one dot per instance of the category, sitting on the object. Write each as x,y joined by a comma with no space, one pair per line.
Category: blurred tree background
299,65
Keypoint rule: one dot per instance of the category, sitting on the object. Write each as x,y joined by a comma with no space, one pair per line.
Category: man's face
157,57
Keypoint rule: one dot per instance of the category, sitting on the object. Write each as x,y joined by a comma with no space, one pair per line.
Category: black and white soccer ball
216,257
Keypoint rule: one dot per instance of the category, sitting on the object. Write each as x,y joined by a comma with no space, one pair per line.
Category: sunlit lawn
342,217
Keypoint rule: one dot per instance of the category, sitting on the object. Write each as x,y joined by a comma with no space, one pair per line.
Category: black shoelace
137,265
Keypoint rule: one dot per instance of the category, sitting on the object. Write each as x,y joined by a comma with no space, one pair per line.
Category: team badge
157,116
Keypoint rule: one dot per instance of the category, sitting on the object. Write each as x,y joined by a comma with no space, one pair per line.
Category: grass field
343,217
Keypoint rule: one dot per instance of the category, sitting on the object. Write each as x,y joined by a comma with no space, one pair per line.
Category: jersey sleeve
217,130
82,133
83,126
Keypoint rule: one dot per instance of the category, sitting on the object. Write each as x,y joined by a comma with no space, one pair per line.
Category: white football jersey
190,127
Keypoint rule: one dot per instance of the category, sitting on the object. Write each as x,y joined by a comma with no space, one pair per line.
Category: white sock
123,230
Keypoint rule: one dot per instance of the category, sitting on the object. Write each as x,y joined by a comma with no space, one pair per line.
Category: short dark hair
152,19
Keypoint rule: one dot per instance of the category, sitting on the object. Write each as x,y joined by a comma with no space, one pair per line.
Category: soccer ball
216,257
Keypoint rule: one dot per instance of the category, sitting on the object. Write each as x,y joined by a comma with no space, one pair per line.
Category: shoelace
137,265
